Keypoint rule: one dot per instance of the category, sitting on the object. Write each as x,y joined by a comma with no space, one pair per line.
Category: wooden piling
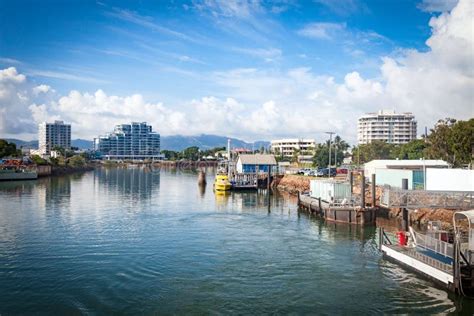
202,177
362,190
351,180
374,198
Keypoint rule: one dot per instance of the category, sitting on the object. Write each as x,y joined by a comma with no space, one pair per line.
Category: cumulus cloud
42,88
264,103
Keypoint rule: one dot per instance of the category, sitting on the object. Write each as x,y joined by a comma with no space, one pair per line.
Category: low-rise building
391,172
255,163
304,148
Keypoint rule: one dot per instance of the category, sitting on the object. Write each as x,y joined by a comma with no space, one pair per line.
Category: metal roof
406,163
468,214
257,159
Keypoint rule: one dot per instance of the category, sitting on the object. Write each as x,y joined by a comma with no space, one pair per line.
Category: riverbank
292,183
64,170
298,183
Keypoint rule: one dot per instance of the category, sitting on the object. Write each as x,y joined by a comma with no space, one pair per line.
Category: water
118,241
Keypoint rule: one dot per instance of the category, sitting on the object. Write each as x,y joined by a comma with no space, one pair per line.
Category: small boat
222,183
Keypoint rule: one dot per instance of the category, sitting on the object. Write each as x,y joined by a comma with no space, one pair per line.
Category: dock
335,212
436,255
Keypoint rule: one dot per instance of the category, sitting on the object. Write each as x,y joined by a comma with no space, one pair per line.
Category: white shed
372,166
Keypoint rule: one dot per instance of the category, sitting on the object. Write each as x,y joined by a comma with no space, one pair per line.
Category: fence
394,197
441,247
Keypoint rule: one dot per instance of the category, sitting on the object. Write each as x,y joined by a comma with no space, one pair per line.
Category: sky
250,69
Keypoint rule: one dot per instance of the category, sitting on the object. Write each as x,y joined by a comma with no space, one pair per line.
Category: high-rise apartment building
135,141
54,134
388,126
287,147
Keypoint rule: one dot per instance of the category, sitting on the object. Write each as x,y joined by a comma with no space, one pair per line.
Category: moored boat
222,183
17,174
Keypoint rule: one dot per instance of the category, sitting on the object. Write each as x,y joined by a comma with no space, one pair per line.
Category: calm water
116,241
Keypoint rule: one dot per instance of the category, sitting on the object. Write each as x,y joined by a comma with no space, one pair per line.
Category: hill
204,141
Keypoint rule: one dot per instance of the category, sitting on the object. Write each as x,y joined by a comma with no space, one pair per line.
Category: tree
76,161
338,149
60,150
8,149
170,154
38,160
191,153
375,150
320,158
296,153
415,149
452,141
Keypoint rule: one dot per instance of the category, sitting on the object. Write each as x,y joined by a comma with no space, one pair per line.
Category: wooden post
374,199
362,190
351,180
405,222
268,179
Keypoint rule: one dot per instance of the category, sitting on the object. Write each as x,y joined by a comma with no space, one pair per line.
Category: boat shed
255,163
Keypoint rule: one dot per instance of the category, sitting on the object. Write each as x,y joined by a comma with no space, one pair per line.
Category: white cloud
230,8
270,54
265,103
65,76
437,5
42,88
322,30
11,75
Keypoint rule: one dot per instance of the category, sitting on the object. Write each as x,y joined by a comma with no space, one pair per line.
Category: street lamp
329,163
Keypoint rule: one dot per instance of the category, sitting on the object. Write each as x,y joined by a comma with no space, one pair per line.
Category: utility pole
329,164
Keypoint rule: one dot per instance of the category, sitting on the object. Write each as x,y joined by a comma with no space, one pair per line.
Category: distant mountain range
203,141
79,143
176,142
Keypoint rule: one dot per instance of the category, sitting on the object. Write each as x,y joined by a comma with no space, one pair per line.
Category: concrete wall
449,179
393,177
43,170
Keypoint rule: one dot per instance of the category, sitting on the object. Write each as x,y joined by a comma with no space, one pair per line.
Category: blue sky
175,53
154,48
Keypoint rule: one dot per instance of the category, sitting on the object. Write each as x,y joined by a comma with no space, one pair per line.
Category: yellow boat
222,183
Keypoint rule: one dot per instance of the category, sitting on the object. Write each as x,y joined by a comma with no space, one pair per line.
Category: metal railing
441,247
459,200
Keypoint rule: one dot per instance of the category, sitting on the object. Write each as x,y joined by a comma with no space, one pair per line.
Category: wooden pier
250,181
337,213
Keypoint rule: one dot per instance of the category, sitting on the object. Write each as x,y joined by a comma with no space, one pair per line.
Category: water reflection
136,185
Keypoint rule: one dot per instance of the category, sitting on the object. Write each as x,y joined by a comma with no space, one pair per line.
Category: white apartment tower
135,141
388,126
53,134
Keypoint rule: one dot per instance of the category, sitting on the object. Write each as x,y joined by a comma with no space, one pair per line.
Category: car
324,172
342,171
313,173
303,171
